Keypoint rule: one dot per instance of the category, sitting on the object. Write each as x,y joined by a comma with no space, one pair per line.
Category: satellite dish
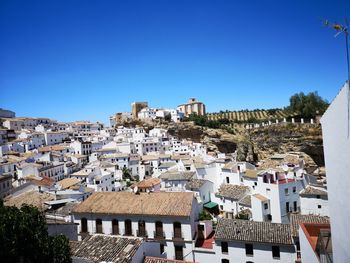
148,191
136,189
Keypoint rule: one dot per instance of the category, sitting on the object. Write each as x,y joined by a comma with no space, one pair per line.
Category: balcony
141,233
178,236
159,234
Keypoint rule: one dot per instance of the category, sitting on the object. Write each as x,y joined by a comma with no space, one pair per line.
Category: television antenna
340,28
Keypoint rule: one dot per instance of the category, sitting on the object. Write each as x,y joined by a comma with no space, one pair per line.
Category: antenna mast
343,29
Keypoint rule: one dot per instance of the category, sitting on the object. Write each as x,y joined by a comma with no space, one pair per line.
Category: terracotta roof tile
252,231
153,204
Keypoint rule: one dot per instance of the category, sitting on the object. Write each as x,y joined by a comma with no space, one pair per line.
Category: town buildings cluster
151,197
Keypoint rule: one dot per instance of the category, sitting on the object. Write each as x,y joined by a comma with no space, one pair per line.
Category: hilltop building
136,107
192,106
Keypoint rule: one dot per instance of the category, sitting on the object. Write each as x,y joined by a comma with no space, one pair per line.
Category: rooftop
311,191
34,198
147,183
107,248
195,183
232,191
177,175
251,231
68,182
153,204
296,219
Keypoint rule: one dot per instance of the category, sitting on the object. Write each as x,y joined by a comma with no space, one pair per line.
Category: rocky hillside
253,145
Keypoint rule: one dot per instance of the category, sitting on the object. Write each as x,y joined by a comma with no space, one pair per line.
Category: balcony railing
141,233
159,234
126,233
178,235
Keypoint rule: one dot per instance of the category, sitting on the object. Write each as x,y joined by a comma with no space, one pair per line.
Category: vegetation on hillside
301,105
24,237
307,106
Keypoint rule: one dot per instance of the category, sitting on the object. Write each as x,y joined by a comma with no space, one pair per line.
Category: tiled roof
195,184
51,148
42,181
296,219
253,174
150,157
261,197
246,201
251,231
68,182
177,175
312,191
147,183
105,248
163,260
153,204
167,165
232,191
230,166
30,198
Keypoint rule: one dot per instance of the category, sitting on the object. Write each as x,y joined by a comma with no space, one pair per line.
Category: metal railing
159,234
141,233
178,235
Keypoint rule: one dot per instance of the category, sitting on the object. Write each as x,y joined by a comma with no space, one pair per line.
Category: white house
166,217
245,241
314,200
336,142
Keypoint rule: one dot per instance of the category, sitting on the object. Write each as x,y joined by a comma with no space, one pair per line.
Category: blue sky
73,60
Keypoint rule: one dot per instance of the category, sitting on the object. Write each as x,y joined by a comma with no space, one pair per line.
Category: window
84,228
286,192
255,183
275,251
161,248
295,206
266,206
177,230
115,227
319,206
227,180
128,227
294,189
225,261
318,196
249,249
99,226
224,247
287,207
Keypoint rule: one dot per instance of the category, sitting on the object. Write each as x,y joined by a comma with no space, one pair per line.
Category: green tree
205,216
309,105
24,237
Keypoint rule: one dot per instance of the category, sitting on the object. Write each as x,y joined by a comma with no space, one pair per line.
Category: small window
255,183
266,206
225,261
318,196
161,248
287,207
294,189
227,180
286,192
249,251
224,247
319,206
275,251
